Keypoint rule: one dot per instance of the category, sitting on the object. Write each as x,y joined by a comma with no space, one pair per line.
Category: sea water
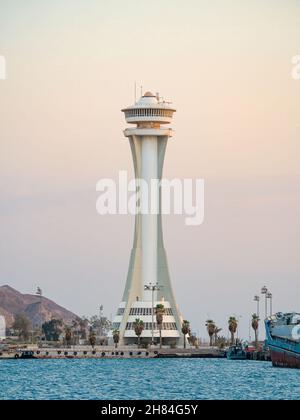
153,379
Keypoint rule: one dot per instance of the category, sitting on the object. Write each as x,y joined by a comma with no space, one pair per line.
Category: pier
77,352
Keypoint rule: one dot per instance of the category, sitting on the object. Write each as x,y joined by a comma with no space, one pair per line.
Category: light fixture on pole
264,291
152,288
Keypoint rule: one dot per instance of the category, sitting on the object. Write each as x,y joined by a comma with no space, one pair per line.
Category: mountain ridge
38,309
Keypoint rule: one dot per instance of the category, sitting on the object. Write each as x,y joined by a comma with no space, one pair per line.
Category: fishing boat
27,354
236,353
283,339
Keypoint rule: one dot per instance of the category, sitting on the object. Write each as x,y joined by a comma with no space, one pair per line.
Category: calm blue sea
155,379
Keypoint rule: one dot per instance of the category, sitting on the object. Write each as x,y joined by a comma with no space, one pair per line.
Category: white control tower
148,282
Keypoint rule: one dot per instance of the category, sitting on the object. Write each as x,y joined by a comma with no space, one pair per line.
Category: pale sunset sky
226,65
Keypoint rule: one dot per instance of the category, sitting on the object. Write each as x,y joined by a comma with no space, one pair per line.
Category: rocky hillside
37,309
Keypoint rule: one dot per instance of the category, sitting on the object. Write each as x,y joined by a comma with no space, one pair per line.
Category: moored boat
236,353
283,339
27,354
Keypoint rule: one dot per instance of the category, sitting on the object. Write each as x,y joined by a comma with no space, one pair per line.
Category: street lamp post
152,288
270,296
257,299
264,291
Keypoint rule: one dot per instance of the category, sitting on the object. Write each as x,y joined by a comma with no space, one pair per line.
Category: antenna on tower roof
141,90
135,92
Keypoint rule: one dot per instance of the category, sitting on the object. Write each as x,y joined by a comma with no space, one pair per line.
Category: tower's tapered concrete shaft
148,262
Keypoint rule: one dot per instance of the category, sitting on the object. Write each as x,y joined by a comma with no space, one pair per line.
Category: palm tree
222,342
76,330
83,324
68,336
92,338
211,329
193,341
138,329
22,325
233,326
116,337
185,329
217,330
255,326
160,311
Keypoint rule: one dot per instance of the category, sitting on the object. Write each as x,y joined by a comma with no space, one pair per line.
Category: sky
226,66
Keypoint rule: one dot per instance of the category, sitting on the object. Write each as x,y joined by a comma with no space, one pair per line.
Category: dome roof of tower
149,95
